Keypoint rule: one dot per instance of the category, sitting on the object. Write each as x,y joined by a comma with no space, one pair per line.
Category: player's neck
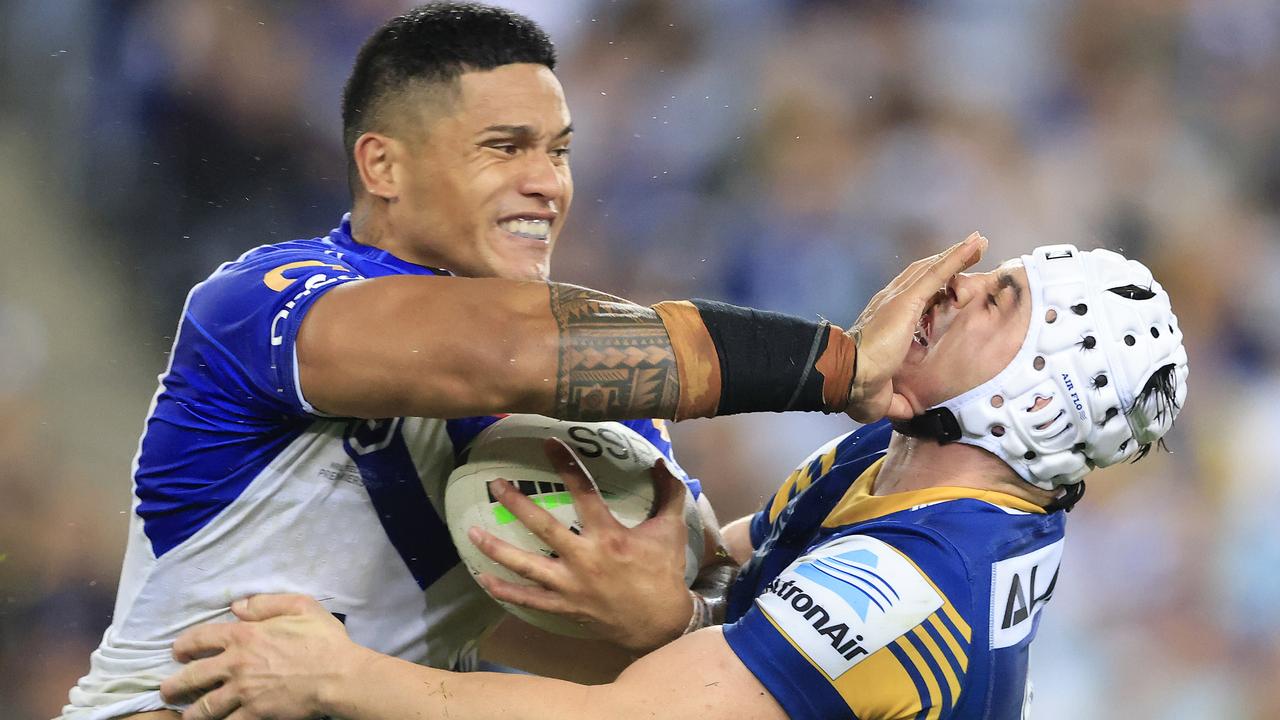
370,226
916,464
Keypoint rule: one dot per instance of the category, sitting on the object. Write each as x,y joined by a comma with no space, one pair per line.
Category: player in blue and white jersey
900,572
319,390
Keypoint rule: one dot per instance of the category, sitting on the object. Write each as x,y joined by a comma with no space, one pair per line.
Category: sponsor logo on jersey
276,280
309,286
847,600
1020,587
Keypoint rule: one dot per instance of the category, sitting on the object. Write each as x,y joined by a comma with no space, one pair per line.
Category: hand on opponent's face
624,584
885,329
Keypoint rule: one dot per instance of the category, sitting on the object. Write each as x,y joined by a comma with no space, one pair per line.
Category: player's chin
527,269
521,258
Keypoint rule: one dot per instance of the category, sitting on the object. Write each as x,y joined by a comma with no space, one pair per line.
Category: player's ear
375,155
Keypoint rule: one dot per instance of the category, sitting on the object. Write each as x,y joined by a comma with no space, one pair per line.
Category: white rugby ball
618,460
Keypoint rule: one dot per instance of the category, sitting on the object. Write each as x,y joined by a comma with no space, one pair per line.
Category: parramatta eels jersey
920,604
241,487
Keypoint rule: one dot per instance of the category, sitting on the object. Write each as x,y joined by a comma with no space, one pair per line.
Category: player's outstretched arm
451,347
294,661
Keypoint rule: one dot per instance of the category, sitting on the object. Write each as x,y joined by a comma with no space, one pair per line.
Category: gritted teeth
537,229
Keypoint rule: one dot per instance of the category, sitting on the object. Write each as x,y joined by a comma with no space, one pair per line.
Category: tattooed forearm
615,359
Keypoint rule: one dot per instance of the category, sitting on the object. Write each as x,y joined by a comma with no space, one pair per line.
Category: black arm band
767,360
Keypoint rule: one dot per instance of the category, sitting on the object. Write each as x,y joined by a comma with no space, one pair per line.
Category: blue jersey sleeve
860,628
240,326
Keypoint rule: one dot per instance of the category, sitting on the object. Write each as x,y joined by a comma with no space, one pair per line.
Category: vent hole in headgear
1133,292
1045,425
1058,434
1089,342
1100,381
997,430
1111,413
1029,455
1130,340
1080,309
1155,332
1050,315
997,401
1038,363
1078,447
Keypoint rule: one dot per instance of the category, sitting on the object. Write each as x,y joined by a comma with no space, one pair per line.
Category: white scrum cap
1103,357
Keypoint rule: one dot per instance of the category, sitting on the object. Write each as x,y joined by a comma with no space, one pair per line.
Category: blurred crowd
787,154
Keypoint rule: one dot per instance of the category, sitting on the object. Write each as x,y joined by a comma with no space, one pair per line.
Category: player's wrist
734,359
701,616
859,389
668,625
710,592
358,672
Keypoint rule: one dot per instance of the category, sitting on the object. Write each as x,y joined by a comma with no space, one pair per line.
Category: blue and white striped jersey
919,604
241,487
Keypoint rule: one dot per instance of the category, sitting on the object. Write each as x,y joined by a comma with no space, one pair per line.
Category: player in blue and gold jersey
900,572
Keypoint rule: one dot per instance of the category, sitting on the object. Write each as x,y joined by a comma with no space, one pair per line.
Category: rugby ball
617,458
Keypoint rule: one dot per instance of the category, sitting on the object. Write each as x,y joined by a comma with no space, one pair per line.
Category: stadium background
790,155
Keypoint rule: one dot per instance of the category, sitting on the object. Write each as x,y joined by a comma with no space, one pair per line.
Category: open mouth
924,326
922,330
537,229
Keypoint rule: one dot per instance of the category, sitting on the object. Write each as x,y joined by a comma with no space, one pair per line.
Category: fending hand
626,585
884,330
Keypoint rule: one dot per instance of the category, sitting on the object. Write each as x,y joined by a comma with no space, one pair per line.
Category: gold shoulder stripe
922,669
957,620
800,479
950,640
784,494
828,460
948,674
879,687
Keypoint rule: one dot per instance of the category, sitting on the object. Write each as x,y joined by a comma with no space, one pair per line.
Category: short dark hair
433,43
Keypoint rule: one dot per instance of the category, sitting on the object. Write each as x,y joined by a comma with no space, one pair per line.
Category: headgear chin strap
1103,358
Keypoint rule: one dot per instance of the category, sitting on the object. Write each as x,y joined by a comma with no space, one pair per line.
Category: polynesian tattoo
615,359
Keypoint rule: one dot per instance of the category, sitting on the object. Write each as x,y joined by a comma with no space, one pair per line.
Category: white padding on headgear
1101,327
